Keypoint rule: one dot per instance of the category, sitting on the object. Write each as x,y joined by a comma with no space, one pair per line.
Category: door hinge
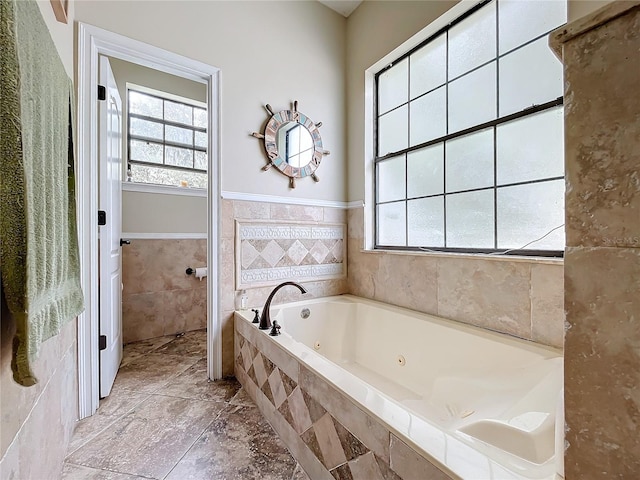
102,342
102,92
102,217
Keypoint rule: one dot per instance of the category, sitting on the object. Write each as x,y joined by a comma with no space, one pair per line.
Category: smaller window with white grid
166,139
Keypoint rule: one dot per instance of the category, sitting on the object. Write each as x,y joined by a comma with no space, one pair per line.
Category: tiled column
601,55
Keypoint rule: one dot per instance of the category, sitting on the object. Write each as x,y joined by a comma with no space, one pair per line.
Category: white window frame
154,187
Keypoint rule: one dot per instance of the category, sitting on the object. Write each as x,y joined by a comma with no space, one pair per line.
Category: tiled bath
325,431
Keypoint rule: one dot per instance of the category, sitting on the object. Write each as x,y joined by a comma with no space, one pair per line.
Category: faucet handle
275,329
255,319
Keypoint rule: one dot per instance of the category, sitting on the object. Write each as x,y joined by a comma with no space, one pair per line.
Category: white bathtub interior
466,396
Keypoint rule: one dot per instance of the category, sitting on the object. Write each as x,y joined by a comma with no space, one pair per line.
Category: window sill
473,256
163,189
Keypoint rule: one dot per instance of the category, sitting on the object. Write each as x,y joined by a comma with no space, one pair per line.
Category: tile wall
517,296
602,262
245,211
158,297
27,448
325,431
268,253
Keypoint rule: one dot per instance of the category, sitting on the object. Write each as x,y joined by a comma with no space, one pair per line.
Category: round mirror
295,144
292,143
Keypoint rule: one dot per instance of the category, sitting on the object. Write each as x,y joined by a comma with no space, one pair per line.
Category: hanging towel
39,243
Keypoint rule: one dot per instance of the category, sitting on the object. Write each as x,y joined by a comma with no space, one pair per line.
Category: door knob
125,242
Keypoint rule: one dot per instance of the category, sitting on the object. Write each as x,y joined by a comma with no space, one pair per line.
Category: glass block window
167,140
469,136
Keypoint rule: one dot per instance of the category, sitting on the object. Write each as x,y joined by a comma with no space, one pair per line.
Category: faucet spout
265,318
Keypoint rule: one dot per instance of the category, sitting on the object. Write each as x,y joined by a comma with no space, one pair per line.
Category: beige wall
246,40
374,30
154,212
160,213
147,77
36,422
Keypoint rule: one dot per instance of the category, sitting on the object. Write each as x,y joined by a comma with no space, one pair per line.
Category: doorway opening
94,43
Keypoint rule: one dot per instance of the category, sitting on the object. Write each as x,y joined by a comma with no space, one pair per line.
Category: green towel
39,243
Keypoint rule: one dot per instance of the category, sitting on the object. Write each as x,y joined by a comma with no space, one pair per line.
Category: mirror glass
295,144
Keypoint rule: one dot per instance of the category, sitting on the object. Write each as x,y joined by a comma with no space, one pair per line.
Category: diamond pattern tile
249,254
269,253
319,251
329,442
272,253
297,252
341,452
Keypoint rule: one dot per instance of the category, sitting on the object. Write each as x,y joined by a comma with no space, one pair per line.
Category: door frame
92,42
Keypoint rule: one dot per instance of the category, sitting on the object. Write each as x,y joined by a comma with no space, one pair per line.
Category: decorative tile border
268,253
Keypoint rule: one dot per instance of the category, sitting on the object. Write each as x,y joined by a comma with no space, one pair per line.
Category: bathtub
476,404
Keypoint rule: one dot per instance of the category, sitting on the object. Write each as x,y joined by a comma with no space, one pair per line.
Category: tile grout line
108,470
119,417
196,440
146,395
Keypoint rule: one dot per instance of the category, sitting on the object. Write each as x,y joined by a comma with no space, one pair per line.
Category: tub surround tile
292,440
402,274
547,302
324,430
472,291
227,343
281,211
238,444
334,215
355,221
227,219
276,387
151,439
410,465
370,467
601,376
251,210
603,200
602,260
299,411
368,430
268,253
520,298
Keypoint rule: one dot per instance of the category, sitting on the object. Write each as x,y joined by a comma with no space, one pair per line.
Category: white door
110,199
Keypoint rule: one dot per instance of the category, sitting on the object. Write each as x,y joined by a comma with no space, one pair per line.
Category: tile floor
164,420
